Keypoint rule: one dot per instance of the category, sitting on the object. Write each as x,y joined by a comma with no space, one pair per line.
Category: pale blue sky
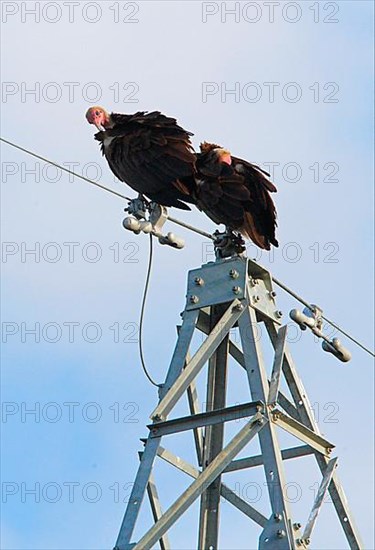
169,53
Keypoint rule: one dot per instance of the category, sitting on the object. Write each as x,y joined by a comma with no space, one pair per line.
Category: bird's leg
228,243
138,207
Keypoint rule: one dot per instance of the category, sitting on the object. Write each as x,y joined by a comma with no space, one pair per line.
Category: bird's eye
97,113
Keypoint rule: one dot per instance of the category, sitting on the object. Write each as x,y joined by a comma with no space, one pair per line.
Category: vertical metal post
137,494
152,444
277,533
304,408
213,439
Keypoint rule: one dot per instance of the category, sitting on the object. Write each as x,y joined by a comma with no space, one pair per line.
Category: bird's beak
100,127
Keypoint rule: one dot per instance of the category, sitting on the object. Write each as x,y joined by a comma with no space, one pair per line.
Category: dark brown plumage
152,154
149,152
236,193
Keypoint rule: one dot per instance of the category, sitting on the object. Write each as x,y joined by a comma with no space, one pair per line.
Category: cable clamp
150,218
311,317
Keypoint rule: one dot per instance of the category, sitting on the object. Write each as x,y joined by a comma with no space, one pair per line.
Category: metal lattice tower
233,292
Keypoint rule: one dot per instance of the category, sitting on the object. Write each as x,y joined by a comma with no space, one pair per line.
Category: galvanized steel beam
272,460
196,363
202,482
210,418
211,288
326,480
305,412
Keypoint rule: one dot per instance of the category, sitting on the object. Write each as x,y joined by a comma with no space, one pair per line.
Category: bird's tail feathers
249,230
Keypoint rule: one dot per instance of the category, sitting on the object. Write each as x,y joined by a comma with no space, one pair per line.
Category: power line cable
186,226
302,301
65,169
88,180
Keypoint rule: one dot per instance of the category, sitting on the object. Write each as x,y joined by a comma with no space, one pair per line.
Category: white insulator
132,224
146,227
172,240
301,319
337,349
176,241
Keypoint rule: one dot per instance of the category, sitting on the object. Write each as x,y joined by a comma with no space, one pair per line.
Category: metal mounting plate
213,284
221,281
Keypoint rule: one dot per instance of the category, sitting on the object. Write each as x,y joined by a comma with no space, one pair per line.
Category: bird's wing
151,153
253,173
260,211
239,197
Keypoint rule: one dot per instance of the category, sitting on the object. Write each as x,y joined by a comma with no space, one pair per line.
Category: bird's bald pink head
98,116
223,155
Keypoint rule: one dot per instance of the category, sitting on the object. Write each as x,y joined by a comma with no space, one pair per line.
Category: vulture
149,152
236,193
154,156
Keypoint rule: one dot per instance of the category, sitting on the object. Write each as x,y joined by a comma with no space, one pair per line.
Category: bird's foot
138,207
228,244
